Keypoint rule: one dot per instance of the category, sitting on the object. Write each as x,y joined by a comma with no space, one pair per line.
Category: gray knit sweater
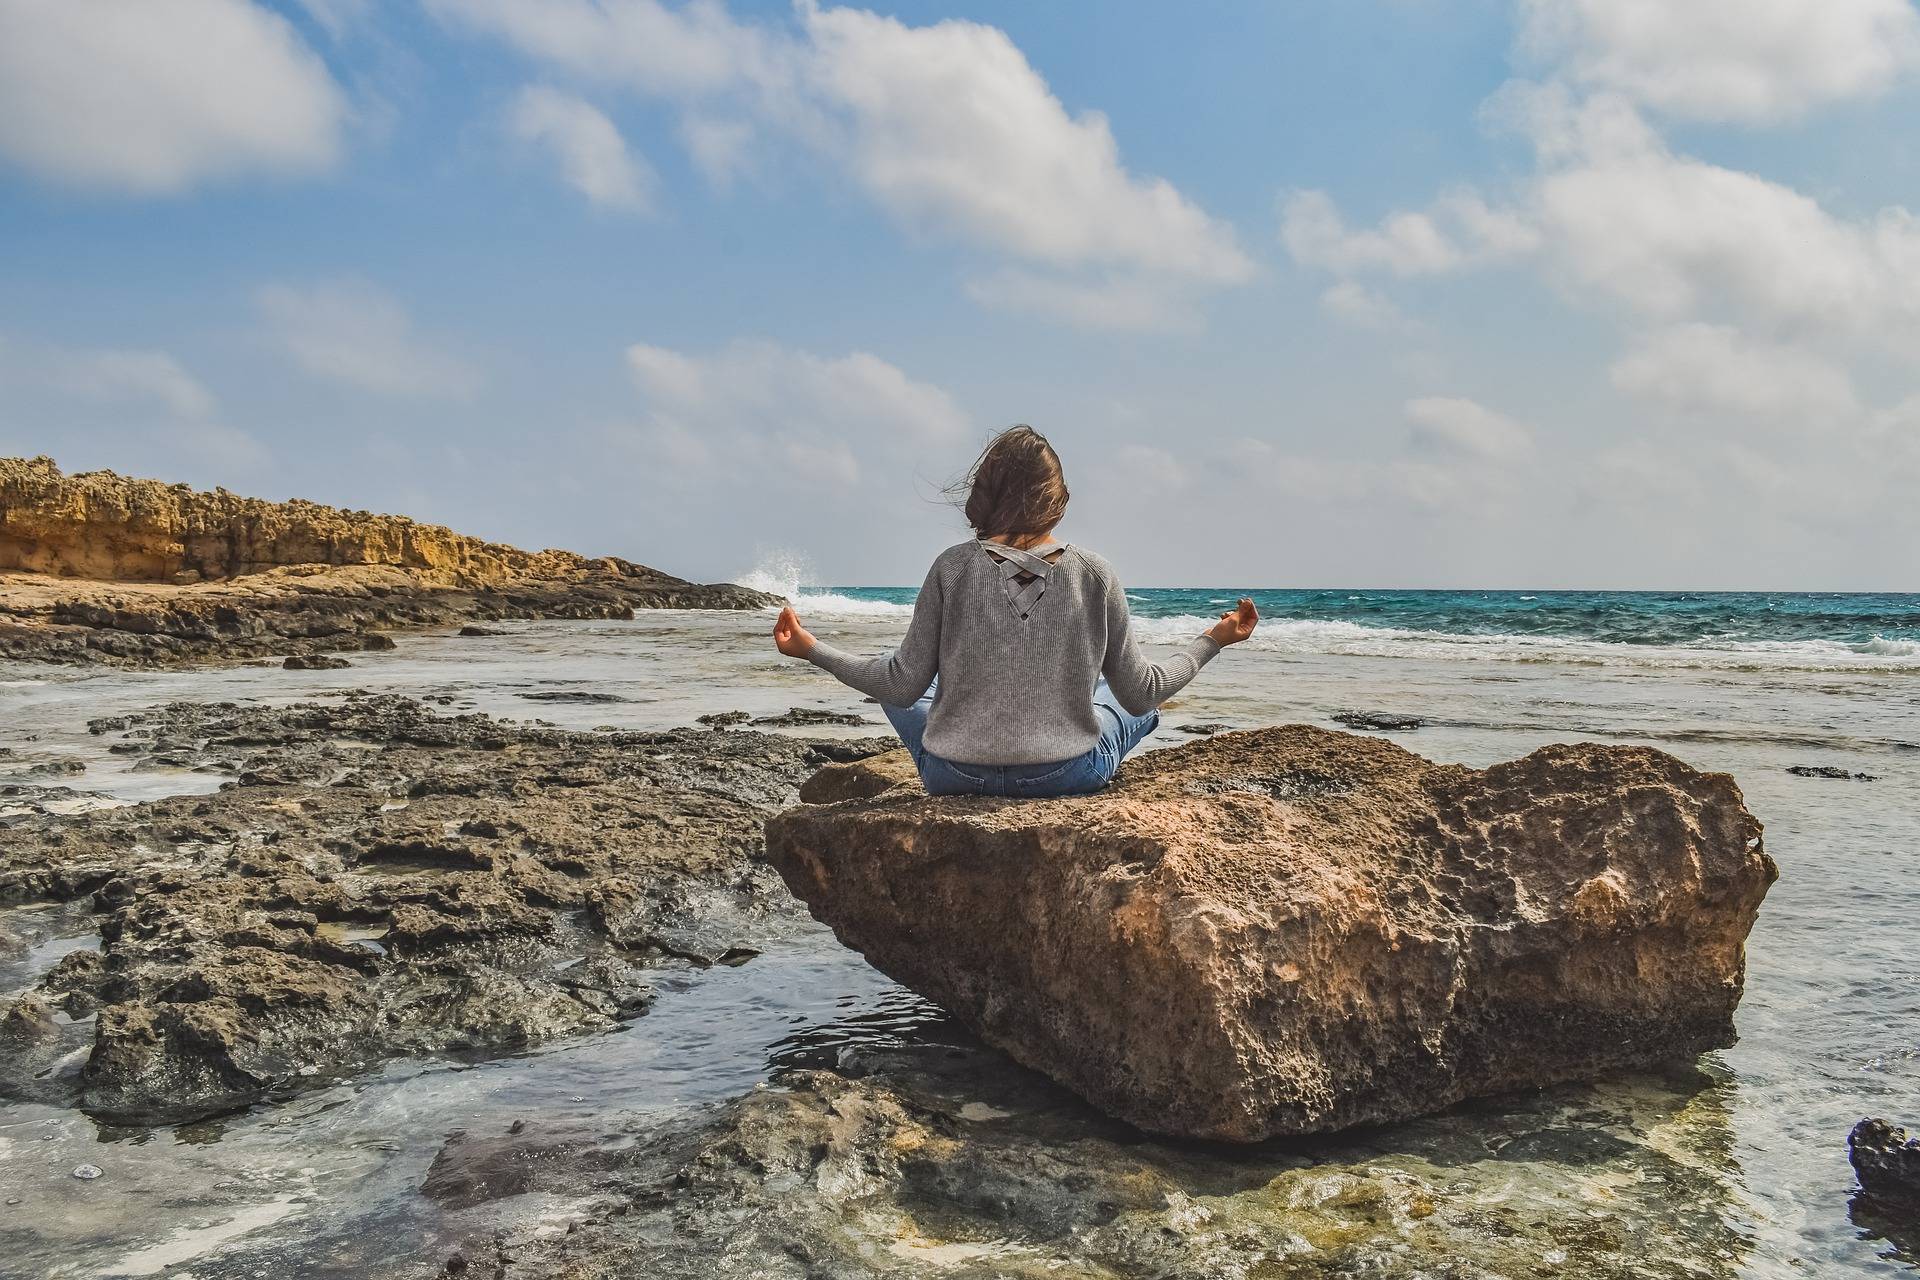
1017,690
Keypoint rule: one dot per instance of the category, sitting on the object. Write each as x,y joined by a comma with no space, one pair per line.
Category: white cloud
593,157
788,415
139,410
1726,60
338,17
1615,213
688,51
950,127
1460,230
141,379
1712,369
1450,426
720,147
946,127
354,333
154,96
1674,236
1355,304
1127,304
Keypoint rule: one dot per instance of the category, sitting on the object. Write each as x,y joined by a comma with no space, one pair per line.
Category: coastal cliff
100,567
106,526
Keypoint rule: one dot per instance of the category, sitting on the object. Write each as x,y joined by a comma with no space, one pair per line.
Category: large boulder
1295,930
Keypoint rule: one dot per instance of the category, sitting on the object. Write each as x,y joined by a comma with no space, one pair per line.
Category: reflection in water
1897,1228
896,1019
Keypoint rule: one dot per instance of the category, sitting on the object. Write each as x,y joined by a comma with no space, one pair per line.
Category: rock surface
1295,930
102,568
1886,1159
382,881
947,1160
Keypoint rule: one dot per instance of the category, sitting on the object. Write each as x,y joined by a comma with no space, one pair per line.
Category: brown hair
1016,488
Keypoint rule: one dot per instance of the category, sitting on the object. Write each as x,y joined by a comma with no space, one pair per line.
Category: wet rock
1886,1159
477,632
573,695
722,719
1380,720
1203,728
56,769
308,924
1829,771
315,662
800,717
27,1021
946,1159
1295,930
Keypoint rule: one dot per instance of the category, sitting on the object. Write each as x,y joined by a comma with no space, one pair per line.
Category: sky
1381,293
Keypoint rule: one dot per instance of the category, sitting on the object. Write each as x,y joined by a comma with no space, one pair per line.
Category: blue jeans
1120,732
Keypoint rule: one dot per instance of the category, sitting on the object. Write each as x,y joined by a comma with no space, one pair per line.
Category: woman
1019,675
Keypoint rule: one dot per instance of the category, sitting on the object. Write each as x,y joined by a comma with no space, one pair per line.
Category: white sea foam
791,576
1349,639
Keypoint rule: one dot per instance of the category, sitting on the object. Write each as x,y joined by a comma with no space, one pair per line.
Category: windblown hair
1016,488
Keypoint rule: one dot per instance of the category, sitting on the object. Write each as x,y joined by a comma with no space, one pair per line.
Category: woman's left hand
789,636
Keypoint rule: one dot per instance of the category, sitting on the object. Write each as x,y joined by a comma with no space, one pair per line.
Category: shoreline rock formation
1886,1159
1295,930
381,881
99,567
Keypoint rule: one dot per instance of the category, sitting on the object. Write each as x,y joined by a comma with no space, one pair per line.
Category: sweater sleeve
1140,685
895,679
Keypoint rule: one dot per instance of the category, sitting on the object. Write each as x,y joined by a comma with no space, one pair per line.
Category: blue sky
1587,293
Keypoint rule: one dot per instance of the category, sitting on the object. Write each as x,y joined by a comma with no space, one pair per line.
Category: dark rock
27,1020
480,631
722,719
1380,720
1829,771
1886,1159
573,695
1204,728
57,769
1205,960
801,717
315,662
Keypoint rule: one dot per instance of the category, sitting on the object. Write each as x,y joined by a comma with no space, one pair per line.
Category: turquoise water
1813,630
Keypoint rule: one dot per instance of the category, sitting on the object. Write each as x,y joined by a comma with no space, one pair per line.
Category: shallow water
1830,1026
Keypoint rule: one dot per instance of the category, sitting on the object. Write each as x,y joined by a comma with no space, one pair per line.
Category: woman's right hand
1235,625
789,636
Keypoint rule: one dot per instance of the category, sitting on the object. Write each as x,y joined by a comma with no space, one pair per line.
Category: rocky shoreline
380,881
101,569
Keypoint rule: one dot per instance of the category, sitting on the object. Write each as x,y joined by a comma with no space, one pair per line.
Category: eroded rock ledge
382,881
1294,930
99,567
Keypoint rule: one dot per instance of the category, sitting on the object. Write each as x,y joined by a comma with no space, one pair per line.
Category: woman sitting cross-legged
1019,674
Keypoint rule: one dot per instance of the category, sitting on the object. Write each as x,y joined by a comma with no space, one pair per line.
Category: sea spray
791,576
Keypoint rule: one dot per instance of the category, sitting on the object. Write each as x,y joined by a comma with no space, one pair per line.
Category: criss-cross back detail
1024,571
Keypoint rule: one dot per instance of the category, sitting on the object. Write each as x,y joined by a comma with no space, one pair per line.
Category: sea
1757,685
